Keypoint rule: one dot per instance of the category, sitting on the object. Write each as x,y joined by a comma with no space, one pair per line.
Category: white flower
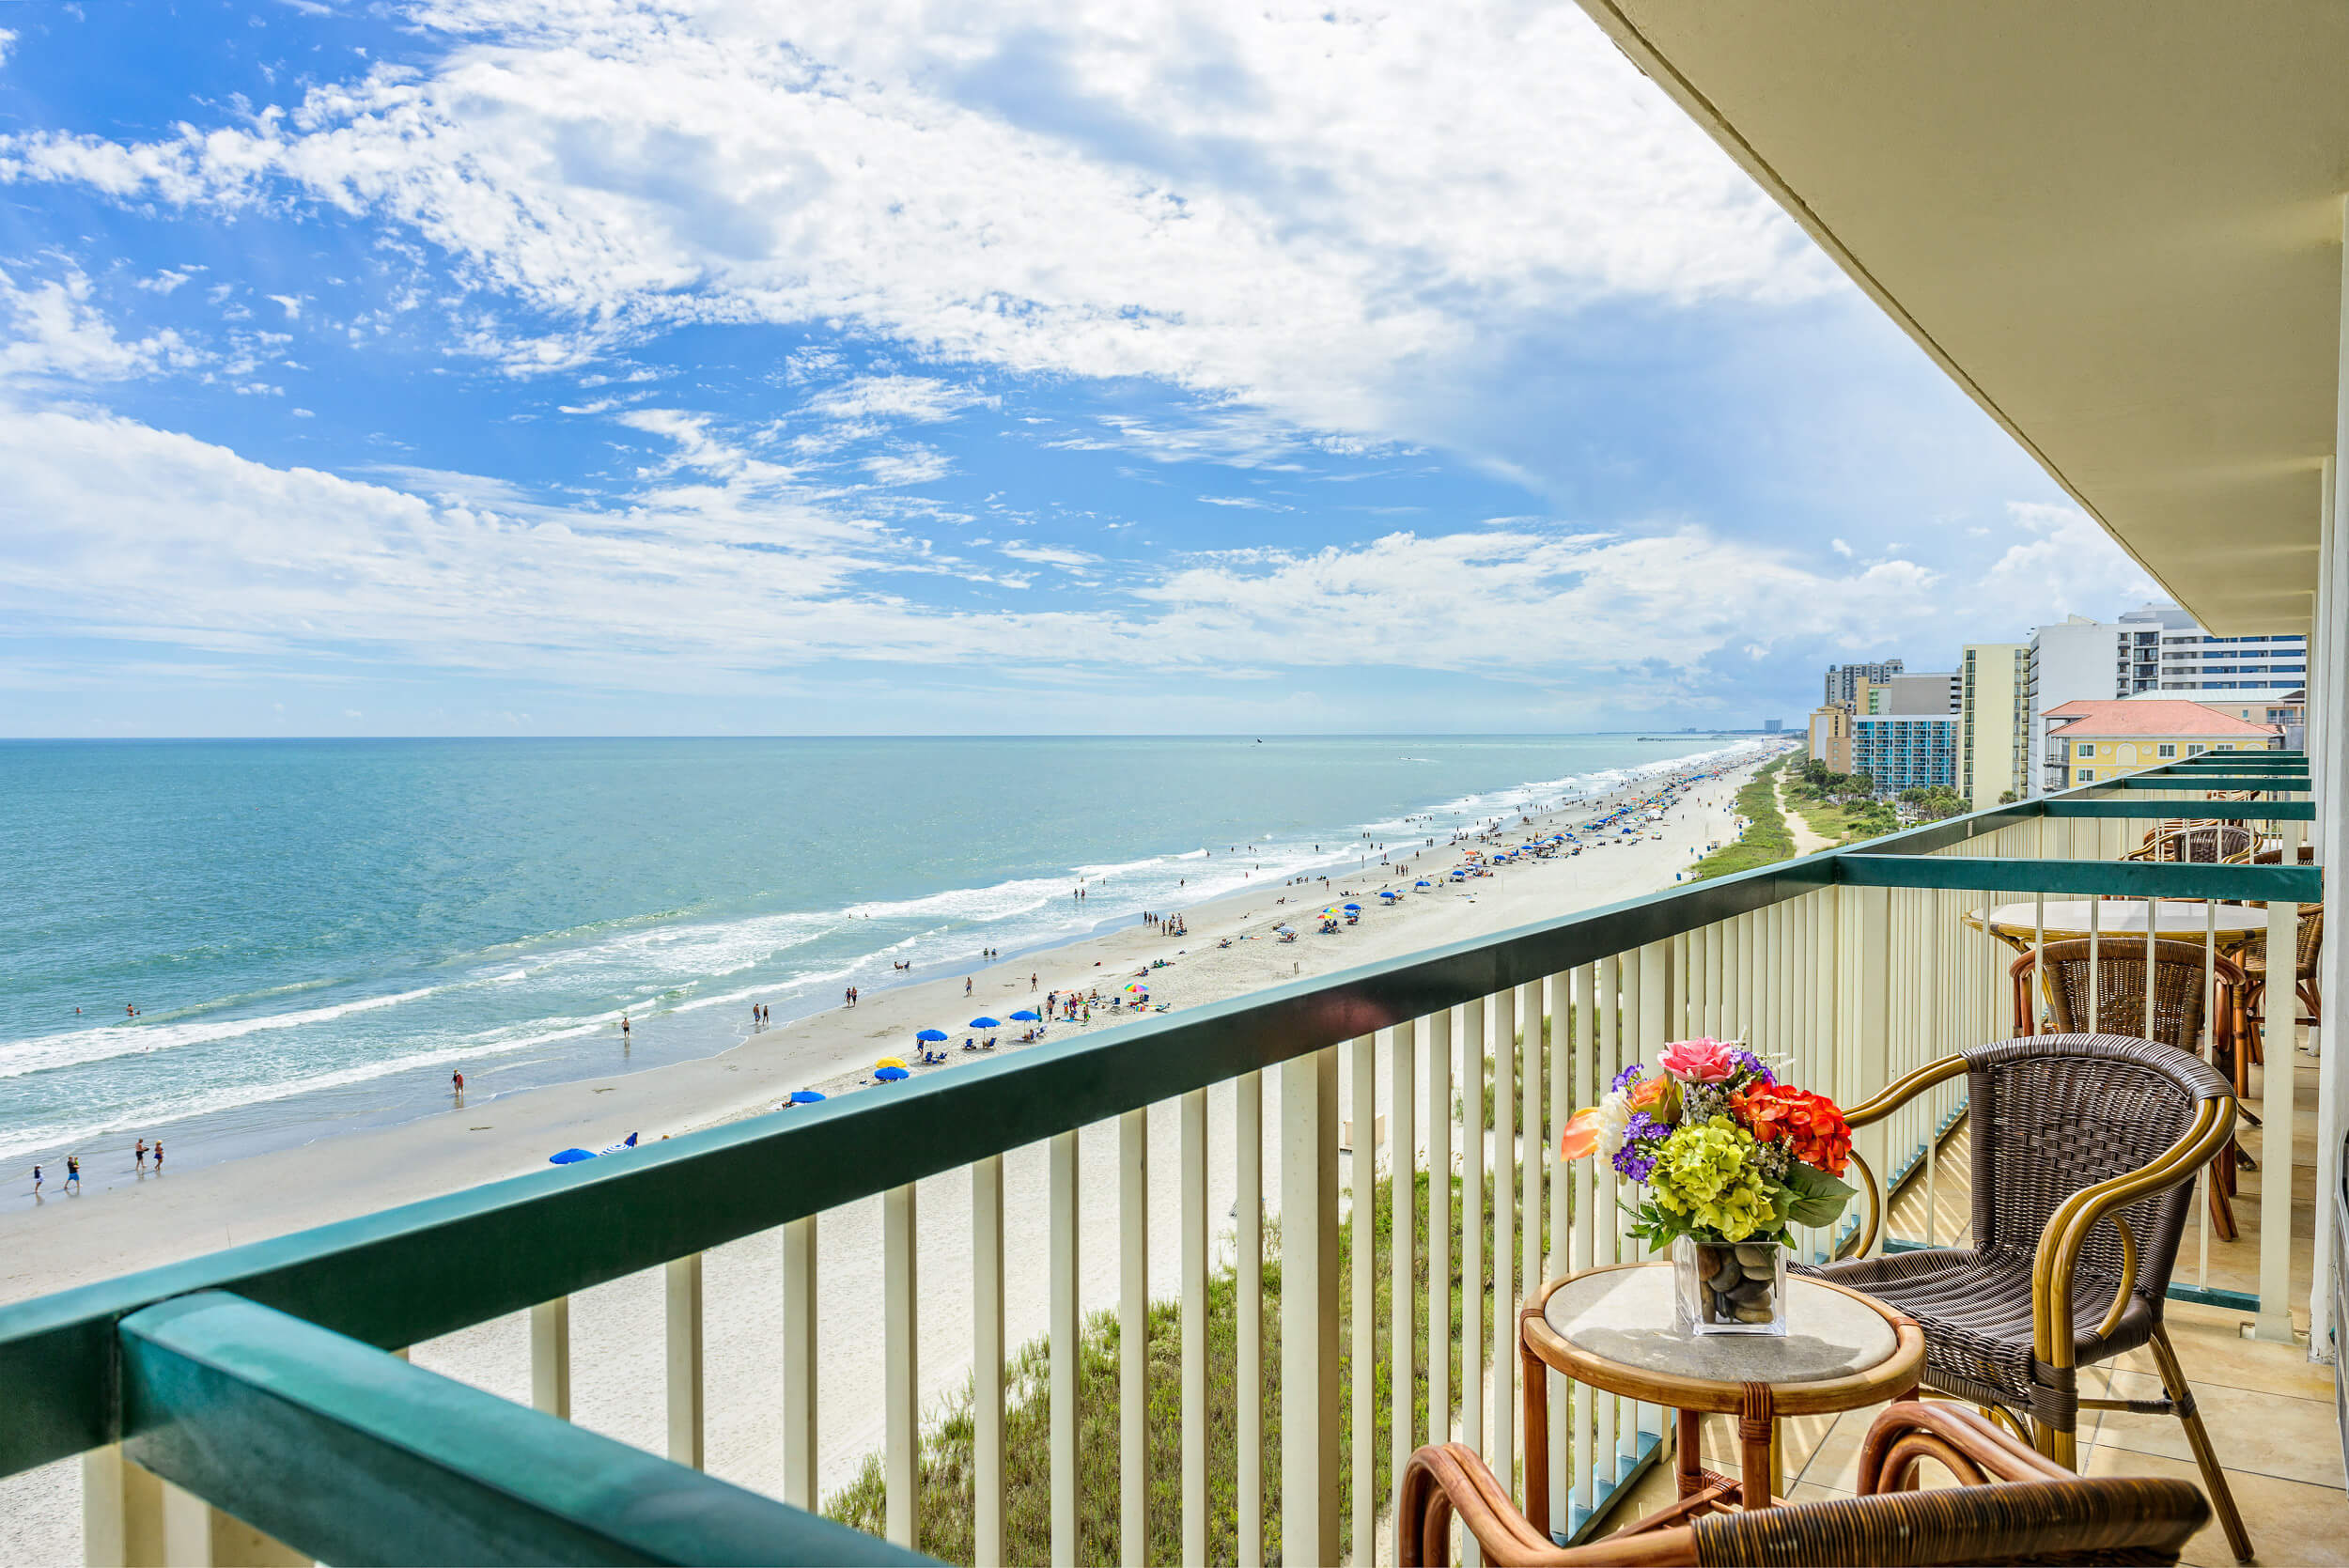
1615,1115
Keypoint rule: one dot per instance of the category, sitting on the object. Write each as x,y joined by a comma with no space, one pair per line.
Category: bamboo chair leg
2198,1438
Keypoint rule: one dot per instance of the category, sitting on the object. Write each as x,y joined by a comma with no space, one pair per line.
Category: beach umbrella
931,1034
891,1075
1285,930
987,1023
1423,882
806,1097
570,1157
1353,909
894,1061
1024,1016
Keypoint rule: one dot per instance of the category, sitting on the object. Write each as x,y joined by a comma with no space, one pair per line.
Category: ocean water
315,934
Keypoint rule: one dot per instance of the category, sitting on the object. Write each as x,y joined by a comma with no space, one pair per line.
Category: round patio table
2182,919
1613,1329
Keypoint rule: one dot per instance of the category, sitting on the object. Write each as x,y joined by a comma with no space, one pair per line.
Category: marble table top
1624,1315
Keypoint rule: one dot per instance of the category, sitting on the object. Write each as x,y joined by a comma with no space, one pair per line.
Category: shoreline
617,1328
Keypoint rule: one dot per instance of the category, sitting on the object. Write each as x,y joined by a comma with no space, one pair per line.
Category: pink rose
1698,1060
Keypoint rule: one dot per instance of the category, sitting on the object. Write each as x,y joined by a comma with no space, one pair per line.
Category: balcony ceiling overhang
2117,223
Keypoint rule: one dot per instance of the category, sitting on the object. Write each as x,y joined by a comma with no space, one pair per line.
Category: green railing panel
2286,782
2295,884
354,1456
2220,811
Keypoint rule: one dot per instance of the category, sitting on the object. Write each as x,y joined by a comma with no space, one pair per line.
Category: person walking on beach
158,1157
73,1173
139,1154
1032,983
966,985
623,1024
457,1082
36,1181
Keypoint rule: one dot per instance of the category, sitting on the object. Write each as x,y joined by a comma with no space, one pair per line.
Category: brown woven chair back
2063,972
2053,1113
2207,842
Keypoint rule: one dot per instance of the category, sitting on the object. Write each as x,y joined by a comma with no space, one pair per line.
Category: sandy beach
121,1222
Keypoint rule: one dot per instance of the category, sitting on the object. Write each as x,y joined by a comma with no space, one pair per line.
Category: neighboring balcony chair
2012,1505
2084,1152
2252,956
2202,843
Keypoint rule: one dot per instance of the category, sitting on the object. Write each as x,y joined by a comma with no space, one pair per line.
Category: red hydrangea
1816,1132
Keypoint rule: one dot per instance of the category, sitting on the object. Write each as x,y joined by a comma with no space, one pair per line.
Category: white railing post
550,1357
1439,1227
197,1535
1247,1334
1502,1456
798,1362
1403,1207
123,1511
2279,1015
1195,1348
1863,1025
683,1279
1362,1070
1062,1325
1134,1336
1309,1307
986,1361
901,1385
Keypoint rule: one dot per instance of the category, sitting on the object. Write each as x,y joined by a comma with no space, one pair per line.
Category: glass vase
1722,1287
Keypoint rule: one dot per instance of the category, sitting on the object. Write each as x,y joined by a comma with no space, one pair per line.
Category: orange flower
1646,1093
1580,1137
1815,1130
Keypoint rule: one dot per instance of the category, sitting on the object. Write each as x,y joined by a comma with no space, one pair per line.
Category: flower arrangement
1727,1153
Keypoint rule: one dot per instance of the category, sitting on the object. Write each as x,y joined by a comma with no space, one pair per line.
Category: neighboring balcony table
2181,920
1612,1329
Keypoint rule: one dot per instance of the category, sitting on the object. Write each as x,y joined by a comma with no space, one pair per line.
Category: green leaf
1811,1196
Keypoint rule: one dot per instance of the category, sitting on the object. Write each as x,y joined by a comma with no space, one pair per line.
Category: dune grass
1766,841
946,1459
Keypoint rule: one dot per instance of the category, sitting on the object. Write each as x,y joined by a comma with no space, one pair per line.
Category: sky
592,366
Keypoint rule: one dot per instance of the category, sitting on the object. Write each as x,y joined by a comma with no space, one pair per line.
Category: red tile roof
2118,718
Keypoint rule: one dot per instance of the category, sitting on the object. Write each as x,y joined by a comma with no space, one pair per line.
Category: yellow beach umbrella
889,1061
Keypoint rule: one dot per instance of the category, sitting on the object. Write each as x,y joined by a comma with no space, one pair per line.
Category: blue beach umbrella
570,1157
806,1097
1024,1016
987,1023
1423,882
1353,909
891,1075
931,1034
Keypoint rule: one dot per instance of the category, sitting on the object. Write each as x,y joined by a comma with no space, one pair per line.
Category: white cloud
1841,548
2065,564
53,332
1299,209
1247,502
920,398
1049,555
291,305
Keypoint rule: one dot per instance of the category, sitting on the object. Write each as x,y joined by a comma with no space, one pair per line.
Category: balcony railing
253,1403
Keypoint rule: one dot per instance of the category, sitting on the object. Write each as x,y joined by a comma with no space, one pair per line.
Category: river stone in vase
1722,1288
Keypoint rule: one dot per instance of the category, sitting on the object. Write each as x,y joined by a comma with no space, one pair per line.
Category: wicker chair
2013,1505
2084,1151
2204,843
2252,957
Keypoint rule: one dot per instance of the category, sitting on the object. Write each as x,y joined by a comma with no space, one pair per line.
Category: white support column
2279,1015
1309,1307
2328,761
550,1357
986,1361
684,1330
798,1363
1134,1336
901,1379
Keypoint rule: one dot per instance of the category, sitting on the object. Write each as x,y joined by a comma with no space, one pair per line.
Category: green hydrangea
1707,1176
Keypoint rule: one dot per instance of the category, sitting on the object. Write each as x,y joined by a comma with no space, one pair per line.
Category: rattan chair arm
1861,1241
1951,1435
1902,1090
2077,1217
2128,1279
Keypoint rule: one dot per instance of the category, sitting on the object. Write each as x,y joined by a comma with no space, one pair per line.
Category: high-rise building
2156,648
1772,726
1843,682
1904,751
1831,737
1993,721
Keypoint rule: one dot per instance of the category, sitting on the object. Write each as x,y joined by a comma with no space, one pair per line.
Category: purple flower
1634,1161
1628,1077
1754,1065
1643,1127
